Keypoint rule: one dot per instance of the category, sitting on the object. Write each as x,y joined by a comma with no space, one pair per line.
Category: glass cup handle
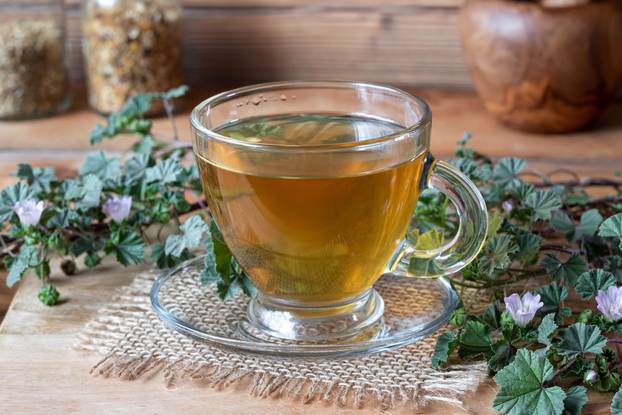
472,228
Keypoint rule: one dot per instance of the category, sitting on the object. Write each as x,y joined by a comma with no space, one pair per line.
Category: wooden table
42,374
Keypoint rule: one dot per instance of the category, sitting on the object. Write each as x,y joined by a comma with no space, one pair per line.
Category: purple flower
508,206
118,208
590,376
29,211
610,303
523,309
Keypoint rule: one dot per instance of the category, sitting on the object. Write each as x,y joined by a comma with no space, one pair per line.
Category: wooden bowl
541,69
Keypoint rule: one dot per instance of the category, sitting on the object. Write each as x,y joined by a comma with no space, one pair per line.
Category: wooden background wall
403,42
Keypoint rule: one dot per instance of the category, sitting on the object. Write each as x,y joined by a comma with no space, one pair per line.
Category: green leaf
579,339
167,171
589,283
39,179
523,191
505,171
429,240
92,260
588,225
145,145
63,218
496,254
616,403
10,196
522,387
503,353
193,231
98,164
221,251
546,328
528,247
135,168
446,343
552,296
80,245
543,203
48,295
475,339
561,222
576,398
495,220
567,271
613,264
177,92
26,258
209,273
492,315
127,246
91,191
612,227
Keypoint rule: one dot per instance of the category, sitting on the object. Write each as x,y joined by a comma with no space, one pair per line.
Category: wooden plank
454,112
344,4
37,357
406,45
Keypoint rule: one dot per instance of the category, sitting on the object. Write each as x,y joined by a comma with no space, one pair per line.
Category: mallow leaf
505,171
446,343
546,328
616,403
209,273
496,254
127,246
581,338
27,257
167,171
528,247
552,296
38,178
193,231
543,203
588,224
98,164
475,339
589,283
561,222
576,398
10,196
523,390
134,168
567,271
612,228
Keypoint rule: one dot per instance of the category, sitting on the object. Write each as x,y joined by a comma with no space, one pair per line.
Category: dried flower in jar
130,47
33,77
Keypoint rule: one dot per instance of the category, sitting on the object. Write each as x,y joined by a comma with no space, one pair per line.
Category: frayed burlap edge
105,333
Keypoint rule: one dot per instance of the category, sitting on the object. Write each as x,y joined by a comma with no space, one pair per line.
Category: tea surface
309,239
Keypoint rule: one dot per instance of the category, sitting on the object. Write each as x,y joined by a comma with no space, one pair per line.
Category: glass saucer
413,309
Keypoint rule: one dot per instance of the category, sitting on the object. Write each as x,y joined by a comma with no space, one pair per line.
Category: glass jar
34,80
130,46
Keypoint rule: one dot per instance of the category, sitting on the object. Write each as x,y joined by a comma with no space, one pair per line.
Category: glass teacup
313,186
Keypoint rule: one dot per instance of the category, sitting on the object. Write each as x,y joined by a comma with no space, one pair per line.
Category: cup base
355,319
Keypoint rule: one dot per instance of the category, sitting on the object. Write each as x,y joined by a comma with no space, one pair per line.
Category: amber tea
312,239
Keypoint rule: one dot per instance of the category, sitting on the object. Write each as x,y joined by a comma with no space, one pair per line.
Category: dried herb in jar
33,77
130,47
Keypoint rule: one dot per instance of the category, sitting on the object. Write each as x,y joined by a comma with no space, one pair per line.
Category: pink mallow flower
29,211
610,303
523,309
118,208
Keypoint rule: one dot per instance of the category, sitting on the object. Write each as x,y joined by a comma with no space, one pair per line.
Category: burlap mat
135,343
